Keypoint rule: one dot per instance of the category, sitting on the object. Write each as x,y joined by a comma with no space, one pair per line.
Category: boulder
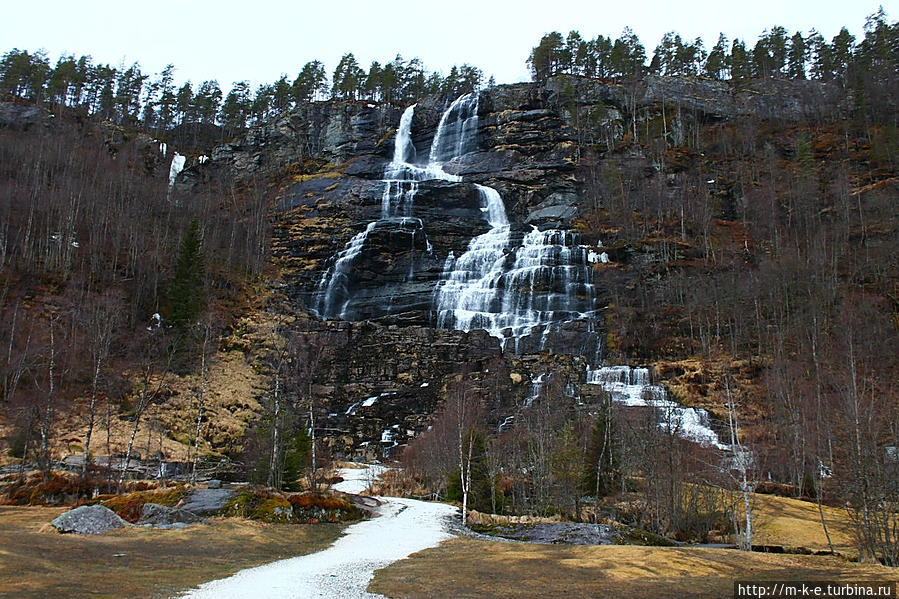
154,514
206,502
88,520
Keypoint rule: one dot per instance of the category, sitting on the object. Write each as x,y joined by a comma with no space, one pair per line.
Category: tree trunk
273,470
91,418
48,407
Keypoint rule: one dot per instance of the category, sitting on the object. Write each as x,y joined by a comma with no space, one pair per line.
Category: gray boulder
88,520
154,514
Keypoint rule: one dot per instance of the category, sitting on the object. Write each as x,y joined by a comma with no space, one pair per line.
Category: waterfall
512,283
454,137
632,387
513,292
457,131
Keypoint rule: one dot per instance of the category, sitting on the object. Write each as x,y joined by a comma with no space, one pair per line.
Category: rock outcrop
162,516
20,118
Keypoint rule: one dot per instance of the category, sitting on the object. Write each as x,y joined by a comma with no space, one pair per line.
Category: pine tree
348,78
186,294
718,63
545,58
797,57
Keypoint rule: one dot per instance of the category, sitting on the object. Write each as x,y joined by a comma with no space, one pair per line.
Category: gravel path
343,570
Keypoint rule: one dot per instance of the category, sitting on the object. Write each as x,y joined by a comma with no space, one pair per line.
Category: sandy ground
403,527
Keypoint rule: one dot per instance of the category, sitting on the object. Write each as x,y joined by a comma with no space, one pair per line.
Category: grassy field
795,523
469,568
465,568
41,564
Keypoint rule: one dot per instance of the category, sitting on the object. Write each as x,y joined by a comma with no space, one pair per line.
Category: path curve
343,570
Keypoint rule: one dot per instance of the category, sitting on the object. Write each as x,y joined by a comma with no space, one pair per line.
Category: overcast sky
259,40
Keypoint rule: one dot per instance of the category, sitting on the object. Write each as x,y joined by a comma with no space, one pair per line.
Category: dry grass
156,563
795,523
232,387
466,568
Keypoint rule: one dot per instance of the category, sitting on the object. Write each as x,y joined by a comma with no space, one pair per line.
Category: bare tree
157,365
209,335
101,325
464,413
49,397
742,462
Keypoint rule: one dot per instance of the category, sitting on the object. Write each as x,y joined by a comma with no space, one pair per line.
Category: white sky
259,40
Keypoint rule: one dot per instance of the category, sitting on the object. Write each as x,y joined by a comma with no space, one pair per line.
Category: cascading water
453,138
513,292
514,284
632,387
332,294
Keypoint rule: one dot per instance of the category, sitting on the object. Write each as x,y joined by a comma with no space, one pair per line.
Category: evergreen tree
470,78
740,64
373,87
207,101
576,51
820,56
262,103
296,457
389,80
186,294
311,83
129,85
546,58
237,106
348,78
105,80
841,54
281,94
717,64
61,79
166,88
628,55
797,57
184,102
83,74
601,57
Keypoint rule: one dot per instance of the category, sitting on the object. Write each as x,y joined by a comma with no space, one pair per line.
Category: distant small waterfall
632,387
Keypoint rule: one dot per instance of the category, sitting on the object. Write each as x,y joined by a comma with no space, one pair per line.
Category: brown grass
796,523
466,568
156,563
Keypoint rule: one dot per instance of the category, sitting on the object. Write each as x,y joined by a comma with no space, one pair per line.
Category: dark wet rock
154,514
88,520
555,212
206,502
568,533
338,132
713,100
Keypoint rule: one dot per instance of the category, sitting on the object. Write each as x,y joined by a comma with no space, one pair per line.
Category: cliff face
387,372
525,151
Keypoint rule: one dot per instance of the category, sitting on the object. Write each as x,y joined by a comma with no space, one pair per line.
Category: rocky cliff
387,372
